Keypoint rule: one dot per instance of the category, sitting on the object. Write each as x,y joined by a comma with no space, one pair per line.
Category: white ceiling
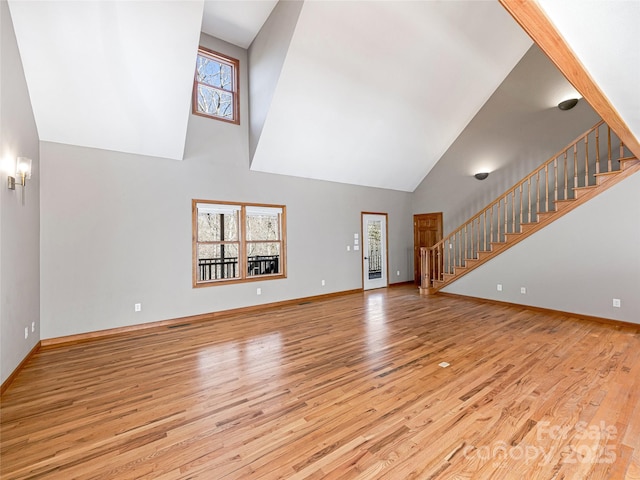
236,21
370,92
110,75
373,93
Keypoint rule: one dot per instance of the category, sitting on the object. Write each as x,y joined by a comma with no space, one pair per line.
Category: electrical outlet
258,291
322,283
137,307
26,332
348,248
616,302
523,290
398,273
499,287
33,326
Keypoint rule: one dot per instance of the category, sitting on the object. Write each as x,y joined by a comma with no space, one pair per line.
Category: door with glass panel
374,250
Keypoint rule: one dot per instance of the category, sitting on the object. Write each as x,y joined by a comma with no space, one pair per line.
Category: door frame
416,253
386,244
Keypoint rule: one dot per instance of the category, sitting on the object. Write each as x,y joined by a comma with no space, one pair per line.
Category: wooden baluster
575,166
513,211
566,177
465,241
456,248
452,253
597,150
434,265
586,160
498,220
521,203
608,148
537,194
546,186
490,227
529,199
555,180
484,230
506,217
621,150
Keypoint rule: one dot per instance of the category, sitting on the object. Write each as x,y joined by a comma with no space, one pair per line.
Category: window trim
242,241
235,93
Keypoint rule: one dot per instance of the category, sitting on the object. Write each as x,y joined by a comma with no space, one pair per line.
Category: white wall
116,228
19,210
578,264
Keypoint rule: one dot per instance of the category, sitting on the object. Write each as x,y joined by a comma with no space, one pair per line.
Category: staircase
594,162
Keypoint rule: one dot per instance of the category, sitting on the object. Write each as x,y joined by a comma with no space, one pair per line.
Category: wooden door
427,231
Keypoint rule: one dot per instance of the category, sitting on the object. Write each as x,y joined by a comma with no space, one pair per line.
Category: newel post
425,269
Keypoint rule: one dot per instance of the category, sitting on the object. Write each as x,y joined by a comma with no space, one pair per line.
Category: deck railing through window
227,268
375,263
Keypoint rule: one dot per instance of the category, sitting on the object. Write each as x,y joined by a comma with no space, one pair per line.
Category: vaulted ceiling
370,93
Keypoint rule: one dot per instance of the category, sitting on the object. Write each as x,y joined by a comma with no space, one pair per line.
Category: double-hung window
215,89
236,242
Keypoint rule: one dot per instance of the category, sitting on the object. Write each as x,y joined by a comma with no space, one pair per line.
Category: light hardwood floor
336,389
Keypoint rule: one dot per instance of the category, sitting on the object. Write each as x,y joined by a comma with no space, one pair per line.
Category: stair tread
549,212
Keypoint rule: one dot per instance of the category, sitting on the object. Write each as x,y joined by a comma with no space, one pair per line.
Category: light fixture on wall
23,171
481,175
568,104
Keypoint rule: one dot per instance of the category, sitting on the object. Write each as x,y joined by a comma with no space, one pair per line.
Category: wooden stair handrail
521,182
472,234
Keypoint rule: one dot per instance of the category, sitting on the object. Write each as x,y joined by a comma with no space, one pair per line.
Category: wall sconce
23,171
568,104
481,175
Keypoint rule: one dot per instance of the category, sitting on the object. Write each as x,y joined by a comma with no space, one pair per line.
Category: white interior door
374,250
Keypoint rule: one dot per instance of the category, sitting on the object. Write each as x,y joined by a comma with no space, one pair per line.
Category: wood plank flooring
346,388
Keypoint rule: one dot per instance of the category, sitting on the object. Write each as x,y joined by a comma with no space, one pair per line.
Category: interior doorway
427,231
374,250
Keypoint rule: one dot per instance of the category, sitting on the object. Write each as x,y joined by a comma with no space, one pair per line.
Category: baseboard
403,284
607,321
15,372
85,337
